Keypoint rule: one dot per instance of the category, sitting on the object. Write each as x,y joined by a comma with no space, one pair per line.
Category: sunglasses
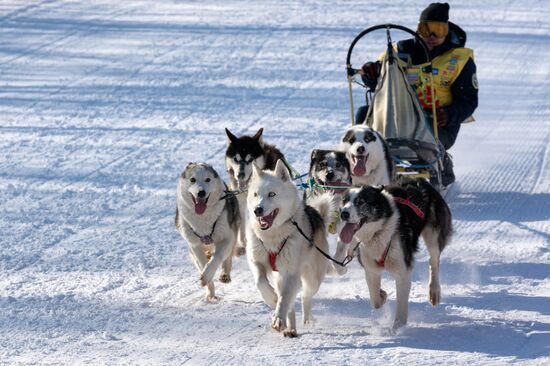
436,29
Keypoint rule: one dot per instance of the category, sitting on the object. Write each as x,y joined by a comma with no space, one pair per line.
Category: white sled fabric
395,111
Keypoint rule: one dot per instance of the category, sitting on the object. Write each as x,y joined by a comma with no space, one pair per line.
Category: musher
454,73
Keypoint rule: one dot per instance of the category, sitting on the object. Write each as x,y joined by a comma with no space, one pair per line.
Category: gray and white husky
330,171
242,152
387,223
368,155
282,234
207,221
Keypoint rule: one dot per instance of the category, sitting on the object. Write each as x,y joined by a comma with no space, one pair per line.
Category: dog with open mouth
208,220
330,171
368,156
242,152
282,236
386,224
370,164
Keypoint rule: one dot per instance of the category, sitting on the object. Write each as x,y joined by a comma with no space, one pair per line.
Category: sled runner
396,113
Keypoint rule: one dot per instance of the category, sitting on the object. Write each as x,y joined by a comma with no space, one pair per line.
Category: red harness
272,256
407,202
412,206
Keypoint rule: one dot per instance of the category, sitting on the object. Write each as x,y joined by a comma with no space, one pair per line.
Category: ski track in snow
104,104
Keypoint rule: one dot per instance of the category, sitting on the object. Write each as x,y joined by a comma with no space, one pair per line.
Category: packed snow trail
102,105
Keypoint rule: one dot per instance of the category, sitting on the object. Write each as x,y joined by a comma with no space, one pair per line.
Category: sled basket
396,113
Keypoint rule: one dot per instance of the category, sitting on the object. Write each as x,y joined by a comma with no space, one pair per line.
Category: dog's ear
258,136
211,169
230,136
256,171
187,168
350,134
314,154
281,171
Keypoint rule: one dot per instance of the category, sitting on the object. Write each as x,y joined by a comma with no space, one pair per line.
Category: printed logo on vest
413,78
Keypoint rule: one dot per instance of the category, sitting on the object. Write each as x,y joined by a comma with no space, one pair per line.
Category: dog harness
205,239
272,256
412,206
381,262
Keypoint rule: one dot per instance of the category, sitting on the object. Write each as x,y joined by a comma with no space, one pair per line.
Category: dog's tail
440,218
325,204
320,211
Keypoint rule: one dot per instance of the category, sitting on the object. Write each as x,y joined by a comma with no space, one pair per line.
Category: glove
371,70
442,118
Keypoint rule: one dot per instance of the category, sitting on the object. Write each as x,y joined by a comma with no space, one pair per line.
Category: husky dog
331,168
388,223
241,153
281,233
368,155
205,219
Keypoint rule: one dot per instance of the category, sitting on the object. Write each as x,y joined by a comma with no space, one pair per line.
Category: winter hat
435,12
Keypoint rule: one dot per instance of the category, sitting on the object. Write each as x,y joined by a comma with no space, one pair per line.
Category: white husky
207,222
368,155
280,237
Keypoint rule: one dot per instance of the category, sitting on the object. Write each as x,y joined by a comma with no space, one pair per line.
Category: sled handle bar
351,72
386,26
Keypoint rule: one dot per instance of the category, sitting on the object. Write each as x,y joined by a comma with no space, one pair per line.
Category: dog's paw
212,298
383,296
240,250
378,303
290,333
309,323
278,324
435,294
225,277
399,323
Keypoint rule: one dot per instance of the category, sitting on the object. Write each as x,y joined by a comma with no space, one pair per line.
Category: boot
447,175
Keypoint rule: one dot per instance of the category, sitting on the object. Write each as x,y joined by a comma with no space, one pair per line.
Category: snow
102,104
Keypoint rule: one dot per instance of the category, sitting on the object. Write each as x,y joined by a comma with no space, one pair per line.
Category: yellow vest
446,68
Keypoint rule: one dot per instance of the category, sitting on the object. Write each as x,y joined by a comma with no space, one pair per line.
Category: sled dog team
377,217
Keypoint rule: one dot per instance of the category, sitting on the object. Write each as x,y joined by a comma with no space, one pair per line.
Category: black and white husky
282,233
207,221
368,155
242,152
387,224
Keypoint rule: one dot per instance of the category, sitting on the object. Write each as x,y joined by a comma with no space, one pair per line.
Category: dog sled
393,110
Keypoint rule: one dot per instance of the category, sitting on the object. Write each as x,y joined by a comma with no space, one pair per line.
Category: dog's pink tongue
200,206
346,235
359,168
